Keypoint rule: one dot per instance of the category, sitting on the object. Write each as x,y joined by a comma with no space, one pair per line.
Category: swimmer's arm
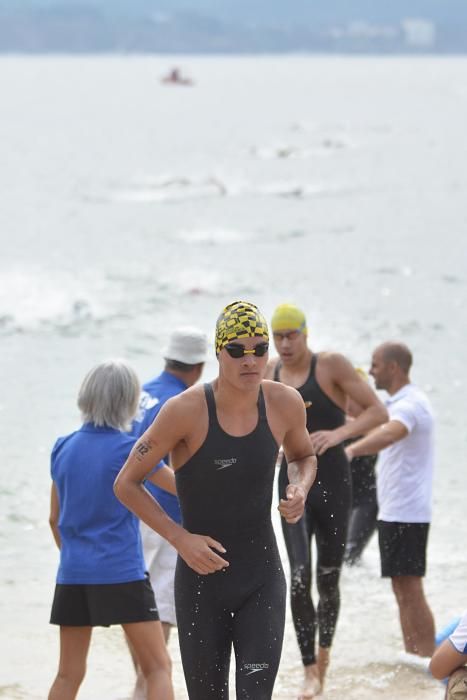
54,515
301,461
445,660
372,411
379,438
162,435
167,430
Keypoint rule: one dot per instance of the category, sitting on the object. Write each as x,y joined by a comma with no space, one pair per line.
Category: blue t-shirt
100,538
154,395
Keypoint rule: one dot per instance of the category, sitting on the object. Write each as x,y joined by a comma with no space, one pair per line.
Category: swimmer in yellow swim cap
326,381
288,317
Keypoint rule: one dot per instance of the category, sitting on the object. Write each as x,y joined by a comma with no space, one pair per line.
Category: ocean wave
391,270
340,130
212,236
179,189
31,299
169,189
39,302
323,146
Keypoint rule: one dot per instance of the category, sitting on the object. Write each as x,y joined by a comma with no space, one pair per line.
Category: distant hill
362,26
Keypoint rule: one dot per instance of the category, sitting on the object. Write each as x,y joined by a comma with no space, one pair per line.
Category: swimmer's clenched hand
292,507
198,552
322,440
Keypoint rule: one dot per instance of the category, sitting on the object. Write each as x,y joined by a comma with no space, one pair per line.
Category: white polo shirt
405,469
459,637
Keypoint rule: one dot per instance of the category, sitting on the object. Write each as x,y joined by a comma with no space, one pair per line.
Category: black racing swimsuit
225,491
364,511
326,516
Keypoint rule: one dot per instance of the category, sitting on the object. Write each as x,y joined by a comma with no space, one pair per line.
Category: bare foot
311,683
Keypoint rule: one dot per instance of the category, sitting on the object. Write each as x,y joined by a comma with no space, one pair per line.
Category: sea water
128,207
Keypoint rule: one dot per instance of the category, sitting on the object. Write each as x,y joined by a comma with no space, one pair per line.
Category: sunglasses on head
237,351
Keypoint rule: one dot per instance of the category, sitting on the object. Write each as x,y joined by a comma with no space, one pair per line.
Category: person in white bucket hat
185,355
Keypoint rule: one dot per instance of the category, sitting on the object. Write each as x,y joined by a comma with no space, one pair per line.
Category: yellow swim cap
288,317
240,320
362,373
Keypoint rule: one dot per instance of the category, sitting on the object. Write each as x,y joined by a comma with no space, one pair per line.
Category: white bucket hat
187,344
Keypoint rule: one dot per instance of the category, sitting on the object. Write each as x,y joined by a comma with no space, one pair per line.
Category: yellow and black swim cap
240,320
288,317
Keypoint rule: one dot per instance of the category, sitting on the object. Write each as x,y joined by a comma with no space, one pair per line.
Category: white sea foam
31,298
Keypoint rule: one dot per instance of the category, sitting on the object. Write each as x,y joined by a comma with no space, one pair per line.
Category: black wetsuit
225,491
326,517
364,511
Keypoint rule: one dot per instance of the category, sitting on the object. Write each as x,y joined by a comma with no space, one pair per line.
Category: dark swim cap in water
240,320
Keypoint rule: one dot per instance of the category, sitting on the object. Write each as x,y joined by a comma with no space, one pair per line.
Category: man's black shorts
402,547
103,604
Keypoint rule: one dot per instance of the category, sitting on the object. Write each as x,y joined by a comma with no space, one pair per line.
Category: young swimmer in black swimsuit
325,382
224,439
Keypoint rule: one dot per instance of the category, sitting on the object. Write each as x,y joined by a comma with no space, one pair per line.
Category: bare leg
323,663
148,644
417,623
74,647
311,683
166,627
139,692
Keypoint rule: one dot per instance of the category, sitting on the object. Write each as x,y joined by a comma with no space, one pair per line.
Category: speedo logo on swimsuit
254,668
224,463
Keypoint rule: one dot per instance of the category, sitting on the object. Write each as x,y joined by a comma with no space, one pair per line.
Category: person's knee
161,663
72,677
328,582
406,588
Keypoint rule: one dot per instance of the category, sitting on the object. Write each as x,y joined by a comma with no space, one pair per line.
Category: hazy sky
272,10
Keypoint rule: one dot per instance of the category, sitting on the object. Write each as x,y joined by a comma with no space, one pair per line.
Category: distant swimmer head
288,317
241,319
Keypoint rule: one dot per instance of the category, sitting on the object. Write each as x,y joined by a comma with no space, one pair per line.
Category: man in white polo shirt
404,489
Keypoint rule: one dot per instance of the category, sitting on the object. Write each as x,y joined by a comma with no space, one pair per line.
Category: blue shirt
100,538
154,395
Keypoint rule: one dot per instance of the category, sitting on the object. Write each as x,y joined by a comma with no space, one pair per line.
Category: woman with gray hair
101,579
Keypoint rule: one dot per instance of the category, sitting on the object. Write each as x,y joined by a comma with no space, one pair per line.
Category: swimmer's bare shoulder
336,360
335,368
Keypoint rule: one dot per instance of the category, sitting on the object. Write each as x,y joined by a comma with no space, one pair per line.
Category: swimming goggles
237,351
